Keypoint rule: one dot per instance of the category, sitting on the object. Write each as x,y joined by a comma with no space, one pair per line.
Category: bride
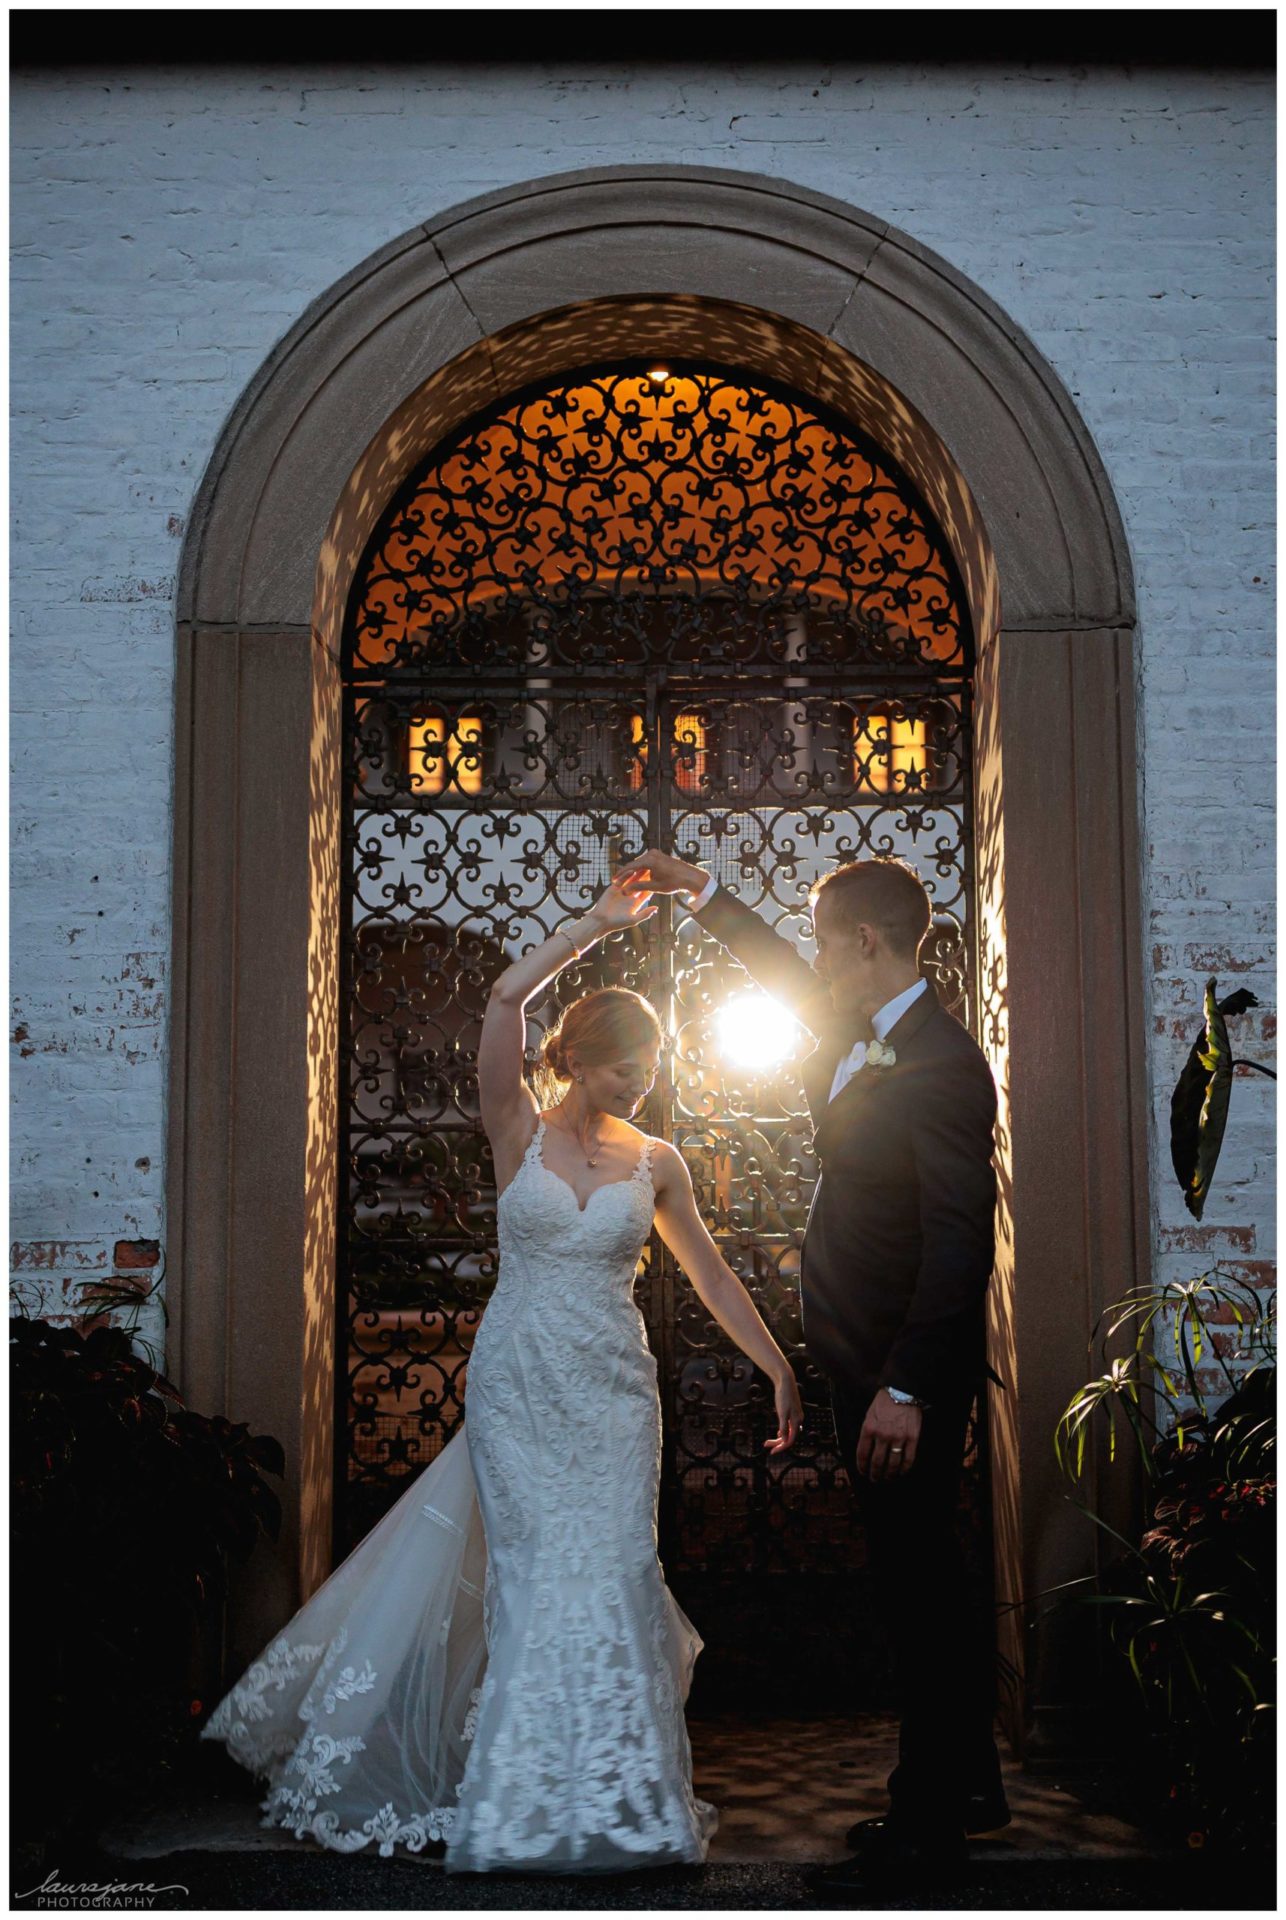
499,1664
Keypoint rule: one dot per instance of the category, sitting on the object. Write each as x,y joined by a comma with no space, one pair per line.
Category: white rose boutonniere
878,1055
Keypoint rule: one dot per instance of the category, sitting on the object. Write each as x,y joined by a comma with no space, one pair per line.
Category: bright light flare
754,1030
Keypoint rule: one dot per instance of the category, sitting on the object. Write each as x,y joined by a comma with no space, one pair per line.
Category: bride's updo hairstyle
601,1026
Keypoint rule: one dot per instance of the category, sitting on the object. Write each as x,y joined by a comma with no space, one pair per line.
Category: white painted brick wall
167,229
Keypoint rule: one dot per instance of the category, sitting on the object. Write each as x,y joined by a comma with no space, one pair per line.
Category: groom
897,1254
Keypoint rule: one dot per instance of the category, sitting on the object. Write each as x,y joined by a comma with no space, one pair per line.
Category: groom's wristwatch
905,1399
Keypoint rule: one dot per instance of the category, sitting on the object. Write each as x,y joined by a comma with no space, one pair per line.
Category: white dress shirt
696,903
888,1016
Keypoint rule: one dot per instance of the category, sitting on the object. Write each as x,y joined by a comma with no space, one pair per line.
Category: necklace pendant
591,1163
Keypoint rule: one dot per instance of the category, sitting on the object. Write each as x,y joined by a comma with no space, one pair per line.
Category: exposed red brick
1199,1239
57,1253
82,1324
90,1292
1219,960
136,1253
1220,1314
1231,1345
1223,1314
1261,1274
1176,987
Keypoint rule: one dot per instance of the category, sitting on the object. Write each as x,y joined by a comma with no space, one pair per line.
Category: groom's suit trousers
937,1633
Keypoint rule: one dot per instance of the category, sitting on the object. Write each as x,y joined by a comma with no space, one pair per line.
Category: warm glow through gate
755,1031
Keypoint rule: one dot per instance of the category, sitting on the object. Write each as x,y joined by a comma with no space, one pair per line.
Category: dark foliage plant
126,1506
1191,1606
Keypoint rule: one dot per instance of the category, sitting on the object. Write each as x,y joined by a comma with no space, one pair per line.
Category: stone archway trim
649,234
439,323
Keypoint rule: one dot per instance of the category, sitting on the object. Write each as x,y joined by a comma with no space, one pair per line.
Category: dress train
383,1662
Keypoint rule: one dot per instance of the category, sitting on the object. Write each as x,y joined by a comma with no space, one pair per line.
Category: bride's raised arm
508,1109
717,1286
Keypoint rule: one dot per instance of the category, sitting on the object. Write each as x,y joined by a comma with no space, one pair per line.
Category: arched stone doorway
569,272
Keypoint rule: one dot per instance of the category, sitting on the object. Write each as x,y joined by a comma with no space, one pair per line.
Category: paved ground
786,1791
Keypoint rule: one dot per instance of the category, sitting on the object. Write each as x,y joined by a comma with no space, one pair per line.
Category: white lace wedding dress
499,1664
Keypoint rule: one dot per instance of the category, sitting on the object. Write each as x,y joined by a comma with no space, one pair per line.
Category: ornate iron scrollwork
625,609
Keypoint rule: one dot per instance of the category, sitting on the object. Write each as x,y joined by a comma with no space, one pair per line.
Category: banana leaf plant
1199,1104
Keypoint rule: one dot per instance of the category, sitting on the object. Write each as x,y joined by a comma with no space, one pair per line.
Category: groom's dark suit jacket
900,1241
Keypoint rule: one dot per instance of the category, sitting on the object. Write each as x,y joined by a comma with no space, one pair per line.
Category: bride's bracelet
568,937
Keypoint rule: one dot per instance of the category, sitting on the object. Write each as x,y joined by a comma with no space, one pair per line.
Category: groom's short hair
884,891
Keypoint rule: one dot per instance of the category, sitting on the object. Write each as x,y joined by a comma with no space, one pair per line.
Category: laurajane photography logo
53,1892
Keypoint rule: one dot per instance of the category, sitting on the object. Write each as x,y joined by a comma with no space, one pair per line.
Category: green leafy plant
1190,1606
126,1506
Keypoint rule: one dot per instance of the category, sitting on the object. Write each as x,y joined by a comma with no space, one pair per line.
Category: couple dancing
499,1665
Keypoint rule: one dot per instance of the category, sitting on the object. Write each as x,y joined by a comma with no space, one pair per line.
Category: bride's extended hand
616,906
790,1413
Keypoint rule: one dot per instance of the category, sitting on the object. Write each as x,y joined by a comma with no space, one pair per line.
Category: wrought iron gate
637,606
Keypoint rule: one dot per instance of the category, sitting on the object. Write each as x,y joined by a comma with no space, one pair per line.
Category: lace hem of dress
387,1828
295,1807
572,1680
276,1754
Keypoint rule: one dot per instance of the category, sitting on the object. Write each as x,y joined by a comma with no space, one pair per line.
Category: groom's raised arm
769,958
